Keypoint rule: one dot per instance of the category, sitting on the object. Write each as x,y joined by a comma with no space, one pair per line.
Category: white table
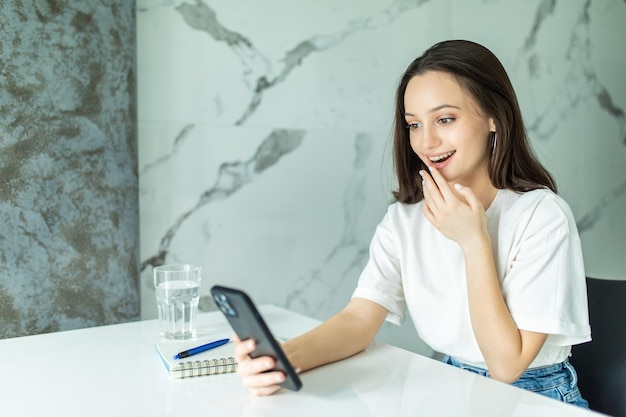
115,371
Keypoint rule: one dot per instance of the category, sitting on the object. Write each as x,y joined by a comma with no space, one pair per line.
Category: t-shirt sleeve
381,280
544,285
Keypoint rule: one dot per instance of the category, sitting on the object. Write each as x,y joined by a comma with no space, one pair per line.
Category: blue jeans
558,381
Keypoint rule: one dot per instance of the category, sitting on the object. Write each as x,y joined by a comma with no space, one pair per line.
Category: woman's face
447,129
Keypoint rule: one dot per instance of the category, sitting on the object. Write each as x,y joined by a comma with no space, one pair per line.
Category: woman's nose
430,138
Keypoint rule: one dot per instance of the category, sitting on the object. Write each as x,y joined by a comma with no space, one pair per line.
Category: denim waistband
558,381
531,372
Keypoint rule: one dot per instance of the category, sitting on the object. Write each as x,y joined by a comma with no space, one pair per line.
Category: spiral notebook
219,360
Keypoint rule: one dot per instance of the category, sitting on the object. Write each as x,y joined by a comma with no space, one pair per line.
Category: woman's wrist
477,246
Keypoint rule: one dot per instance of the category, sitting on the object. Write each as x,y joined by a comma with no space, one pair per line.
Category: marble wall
69,247
264,131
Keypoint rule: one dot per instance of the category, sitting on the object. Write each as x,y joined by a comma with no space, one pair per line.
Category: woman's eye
413,126
446,120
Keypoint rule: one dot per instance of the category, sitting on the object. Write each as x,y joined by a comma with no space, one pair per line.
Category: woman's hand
253,372
458,213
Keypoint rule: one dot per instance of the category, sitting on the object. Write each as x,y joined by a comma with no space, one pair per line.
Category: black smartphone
247,323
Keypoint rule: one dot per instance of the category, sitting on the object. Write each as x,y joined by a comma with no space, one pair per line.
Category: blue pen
200,349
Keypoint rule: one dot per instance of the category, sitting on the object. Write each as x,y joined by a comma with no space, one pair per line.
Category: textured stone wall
68,165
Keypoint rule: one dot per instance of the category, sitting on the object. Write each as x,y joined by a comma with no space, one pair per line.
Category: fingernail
458,186
280,377
421,172
250,344
430,168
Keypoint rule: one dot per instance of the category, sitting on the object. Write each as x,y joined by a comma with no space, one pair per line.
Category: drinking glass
177,290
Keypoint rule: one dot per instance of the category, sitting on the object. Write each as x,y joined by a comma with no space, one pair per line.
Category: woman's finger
243,349
444,188
264,391
256,366
469,196
256,375
432,196
264,379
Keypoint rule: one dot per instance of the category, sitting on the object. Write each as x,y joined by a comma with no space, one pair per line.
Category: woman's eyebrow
434,109
443,106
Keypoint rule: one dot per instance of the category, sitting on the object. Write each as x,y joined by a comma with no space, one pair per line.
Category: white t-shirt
538,258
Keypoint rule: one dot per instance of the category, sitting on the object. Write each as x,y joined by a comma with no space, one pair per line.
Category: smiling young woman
449,132
478,247
481,76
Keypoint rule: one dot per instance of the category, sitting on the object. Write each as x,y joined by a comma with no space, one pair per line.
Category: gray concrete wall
68,165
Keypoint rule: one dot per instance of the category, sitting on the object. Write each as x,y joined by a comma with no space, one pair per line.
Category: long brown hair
512,164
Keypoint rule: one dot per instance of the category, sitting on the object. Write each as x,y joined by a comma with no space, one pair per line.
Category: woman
478,247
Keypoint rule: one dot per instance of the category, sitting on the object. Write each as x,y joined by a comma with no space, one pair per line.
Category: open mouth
441,158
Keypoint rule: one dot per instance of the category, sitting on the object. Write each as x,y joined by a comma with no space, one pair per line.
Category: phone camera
222,302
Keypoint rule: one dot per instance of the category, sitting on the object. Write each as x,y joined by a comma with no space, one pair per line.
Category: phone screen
248,323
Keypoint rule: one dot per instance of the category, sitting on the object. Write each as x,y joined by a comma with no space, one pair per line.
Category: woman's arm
343,335
507,350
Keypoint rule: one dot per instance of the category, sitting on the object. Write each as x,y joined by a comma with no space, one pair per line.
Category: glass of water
177,290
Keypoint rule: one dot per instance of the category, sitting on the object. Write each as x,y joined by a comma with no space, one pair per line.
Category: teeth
441,157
